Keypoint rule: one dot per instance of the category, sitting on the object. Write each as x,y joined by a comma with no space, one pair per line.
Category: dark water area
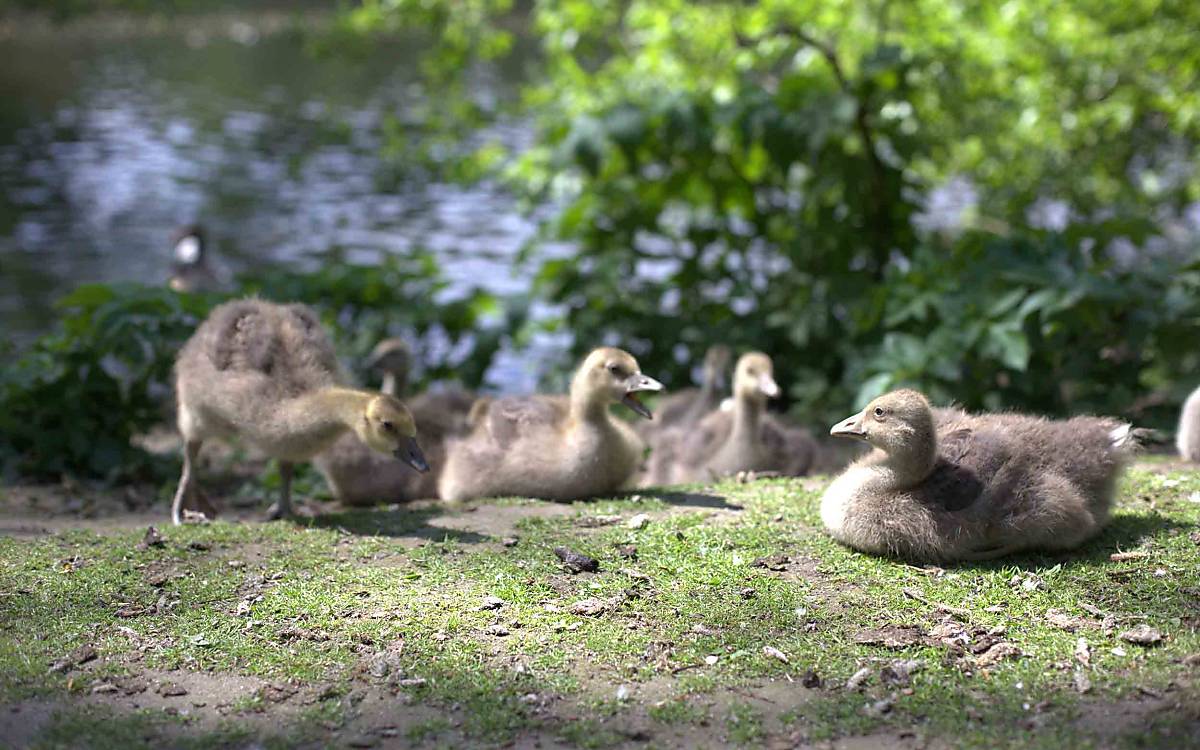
113,135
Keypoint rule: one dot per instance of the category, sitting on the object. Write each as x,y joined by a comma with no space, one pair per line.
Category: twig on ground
686,667
946,608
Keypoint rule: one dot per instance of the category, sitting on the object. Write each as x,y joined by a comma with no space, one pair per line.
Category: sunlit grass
686,618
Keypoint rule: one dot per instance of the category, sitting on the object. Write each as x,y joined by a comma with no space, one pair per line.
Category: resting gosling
359,476
267,373
741,438
943,485
1187,439
190,271
687,407
554,448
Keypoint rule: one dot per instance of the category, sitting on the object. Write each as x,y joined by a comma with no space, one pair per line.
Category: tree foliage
762,174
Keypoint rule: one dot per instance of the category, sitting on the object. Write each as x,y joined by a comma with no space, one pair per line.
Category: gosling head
754,378
391,356
896,423
613,376
716,365
388,427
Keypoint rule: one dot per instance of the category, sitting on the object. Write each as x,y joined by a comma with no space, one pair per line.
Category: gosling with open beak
637,383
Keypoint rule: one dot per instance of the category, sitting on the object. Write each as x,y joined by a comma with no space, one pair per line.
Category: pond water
112,135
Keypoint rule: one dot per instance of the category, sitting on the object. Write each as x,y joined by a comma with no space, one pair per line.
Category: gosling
267,373
741,438
688,406
554,448
942,485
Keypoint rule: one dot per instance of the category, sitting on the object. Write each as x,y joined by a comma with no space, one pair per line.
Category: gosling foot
278,512
195,516
195,508
204,506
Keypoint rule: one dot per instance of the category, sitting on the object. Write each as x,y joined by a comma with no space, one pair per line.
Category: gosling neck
909,465
709,383
392,383
747,416
587,403
324,414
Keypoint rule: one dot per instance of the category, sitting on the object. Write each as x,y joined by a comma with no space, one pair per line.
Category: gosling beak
410,453
640,382
767,385
850,428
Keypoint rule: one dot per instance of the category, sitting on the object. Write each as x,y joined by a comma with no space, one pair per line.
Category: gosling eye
616,369
388,426
879,412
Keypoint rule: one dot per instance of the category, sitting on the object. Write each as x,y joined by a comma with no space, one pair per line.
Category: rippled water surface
113,136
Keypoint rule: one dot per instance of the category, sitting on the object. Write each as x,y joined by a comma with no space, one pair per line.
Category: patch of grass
97,728
744,724
685,616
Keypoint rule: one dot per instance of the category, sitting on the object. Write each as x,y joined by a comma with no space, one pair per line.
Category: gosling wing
508,418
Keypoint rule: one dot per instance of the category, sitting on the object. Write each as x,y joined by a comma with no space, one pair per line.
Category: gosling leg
181,505
283,508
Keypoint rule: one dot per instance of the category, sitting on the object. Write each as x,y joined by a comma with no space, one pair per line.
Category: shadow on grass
394,522
686,499
1125,531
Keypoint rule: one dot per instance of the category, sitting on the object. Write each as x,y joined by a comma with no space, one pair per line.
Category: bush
71,403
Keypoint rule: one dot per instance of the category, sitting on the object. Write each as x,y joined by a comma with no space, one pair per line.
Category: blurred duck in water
267,374
944,485
359,476
190,270
551,447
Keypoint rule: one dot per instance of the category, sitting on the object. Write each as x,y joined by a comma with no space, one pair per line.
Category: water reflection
109,142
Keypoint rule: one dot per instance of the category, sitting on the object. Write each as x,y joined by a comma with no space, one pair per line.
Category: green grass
326,595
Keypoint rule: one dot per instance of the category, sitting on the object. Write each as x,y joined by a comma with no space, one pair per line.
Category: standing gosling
741,438
554,448
267,374
943,485
1187,439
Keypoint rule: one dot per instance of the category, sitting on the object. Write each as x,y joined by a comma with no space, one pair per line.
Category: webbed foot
278,512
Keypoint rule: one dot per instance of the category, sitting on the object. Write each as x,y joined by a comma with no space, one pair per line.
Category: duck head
754,378
896,423
188,246
388,427
610,375
716,365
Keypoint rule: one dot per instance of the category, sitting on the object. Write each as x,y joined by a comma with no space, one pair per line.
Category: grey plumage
687,406
944,485
741,438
